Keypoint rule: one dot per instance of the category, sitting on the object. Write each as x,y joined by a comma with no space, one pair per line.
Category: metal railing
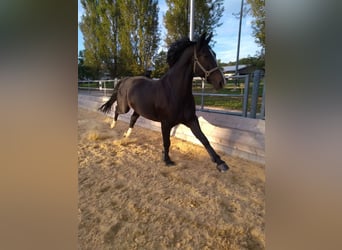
243,95
105,88
97,87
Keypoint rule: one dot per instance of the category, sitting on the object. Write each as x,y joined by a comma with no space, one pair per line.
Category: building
243,69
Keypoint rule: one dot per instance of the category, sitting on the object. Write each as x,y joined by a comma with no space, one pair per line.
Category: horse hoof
170,163
128,133
223,167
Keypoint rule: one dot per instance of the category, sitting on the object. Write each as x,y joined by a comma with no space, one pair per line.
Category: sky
226,35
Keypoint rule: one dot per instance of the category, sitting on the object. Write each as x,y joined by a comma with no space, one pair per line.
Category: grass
226,102
234,103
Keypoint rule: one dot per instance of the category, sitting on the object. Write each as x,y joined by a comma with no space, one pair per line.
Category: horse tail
105,108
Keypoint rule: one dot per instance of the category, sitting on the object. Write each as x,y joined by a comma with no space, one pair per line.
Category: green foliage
160,65
207,16
138,34
91,43
258,11
224,102
121,36
176,19
84,72
257,61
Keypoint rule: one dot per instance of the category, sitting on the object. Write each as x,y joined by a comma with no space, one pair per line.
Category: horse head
205,64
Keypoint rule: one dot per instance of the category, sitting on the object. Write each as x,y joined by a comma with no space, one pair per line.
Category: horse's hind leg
133,120
115,118
121,108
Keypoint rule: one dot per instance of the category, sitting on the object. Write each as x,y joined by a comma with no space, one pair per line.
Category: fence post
255,93
245,97
262,111
115,82
202,96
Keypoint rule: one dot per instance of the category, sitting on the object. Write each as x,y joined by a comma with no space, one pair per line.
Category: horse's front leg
196,130
166,129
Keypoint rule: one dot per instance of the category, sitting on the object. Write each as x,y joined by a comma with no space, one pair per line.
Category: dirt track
128,199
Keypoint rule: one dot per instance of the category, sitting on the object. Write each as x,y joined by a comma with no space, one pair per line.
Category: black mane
176,50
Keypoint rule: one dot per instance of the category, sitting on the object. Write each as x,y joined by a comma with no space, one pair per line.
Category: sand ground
128,198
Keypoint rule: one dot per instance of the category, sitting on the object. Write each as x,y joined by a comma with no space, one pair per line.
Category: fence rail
105,88
244,95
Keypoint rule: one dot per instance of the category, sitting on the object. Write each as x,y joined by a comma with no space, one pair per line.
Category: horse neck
181,74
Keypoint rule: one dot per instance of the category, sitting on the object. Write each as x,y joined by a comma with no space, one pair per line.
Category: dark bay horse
169,100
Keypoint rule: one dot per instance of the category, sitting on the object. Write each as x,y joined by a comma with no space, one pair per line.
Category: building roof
233,67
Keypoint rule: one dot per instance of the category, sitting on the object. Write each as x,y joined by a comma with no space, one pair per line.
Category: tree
138,34
99,26
207,16
89,27
256,61
160,65
120,36
257,10
176,19
84,72
112,18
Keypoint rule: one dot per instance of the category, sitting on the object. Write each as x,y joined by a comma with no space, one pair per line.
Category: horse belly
142,102
146,111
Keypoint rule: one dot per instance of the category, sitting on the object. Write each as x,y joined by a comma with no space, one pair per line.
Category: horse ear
203,36
202,40
209,37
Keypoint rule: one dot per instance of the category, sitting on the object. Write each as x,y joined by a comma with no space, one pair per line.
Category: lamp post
238,46
191,30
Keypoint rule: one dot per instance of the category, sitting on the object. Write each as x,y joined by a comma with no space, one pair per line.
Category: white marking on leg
113,124
128,133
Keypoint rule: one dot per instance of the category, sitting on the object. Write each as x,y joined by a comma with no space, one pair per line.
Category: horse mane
176,50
